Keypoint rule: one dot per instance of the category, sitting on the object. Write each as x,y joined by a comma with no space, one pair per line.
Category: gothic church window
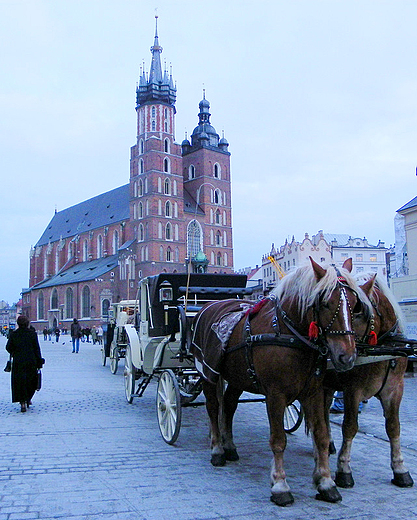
115,242
167,187
69,303
169,255
41,307
85,302
166,145
217,171
141,147
54,299
85,250
168,212
168,232
99,246
141,166
166,165
191,172
194,238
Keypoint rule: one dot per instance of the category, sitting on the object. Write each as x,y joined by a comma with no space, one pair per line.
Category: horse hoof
332,448
344,480
282,499
231,454
218,459
329,495
403,480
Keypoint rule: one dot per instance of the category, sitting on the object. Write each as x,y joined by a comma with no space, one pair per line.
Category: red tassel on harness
373,339
313,330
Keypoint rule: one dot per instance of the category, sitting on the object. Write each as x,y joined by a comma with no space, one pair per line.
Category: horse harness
296,339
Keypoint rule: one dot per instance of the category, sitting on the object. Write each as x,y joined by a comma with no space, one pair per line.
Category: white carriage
152,333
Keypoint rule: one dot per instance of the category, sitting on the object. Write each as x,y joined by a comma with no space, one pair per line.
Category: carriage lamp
165,292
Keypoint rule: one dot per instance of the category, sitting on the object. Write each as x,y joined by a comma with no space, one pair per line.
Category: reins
295,339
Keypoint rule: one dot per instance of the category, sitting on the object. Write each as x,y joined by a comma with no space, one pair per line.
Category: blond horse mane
301,286
386,291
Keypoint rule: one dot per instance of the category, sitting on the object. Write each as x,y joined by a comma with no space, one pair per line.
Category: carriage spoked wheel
168,406
293,417
114,361
129,375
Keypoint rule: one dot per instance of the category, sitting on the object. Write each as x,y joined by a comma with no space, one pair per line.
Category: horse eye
358,307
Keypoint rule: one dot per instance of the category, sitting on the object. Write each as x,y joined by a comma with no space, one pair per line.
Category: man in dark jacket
75,335
23,345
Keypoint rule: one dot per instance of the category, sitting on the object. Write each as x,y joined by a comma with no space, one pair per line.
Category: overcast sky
318,100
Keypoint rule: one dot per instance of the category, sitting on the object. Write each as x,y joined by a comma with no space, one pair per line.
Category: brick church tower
180,195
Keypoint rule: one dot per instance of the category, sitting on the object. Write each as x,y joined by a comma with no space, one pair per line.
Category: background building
175,212
324,248
404,279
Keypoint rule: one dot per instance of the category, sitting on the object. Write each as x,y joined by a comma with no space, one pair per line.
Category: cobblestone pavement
83,453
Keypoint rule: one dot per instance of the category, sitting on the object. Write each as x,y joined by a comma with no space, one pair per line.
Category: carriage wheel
103,356
114,361
129,376
293,417
168,406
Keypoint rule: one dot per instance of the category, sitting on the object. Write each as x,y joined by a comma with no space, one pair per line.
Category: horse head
323,301
385,317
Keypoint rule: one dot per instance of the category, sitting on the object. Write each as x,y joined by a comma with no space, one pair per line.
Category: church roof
103,210
81,272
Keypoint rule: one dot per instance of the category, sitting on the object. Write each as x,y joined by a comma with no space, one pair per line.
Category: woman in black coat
24,348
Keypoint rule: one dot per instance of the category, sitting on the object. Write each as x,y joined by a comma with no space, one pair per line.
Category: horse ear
347,264
318,269
368,286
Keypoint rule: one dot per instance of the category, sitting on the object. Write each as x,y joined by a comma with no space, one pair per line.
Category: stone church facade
174,214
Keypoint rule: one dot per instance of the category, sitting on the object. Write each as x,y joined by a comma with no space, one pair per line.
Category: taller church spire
157,87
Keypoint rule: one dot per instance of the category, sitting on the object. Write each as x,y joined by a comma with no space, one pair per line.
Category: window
168,212
85,250
166,145
167,187
166,165
168,232
140,188
41,307
85,302
169,255
141,166
141,147
218,219
153,112
359,257
373,257
105,306
194,239
216,171
140,210
191,172
161,254
218,239
115,242
99,246
141,236
54,299
69,303
153,126
219,259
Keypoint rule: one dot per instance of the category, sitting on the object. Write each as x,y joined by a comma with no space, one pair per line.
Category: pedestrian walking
100,334
57,333
23,346
75,335
94,335
45,334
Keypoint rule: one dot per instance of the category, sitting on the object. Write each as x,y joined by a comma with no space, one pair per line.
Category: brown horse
269,352
383,379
